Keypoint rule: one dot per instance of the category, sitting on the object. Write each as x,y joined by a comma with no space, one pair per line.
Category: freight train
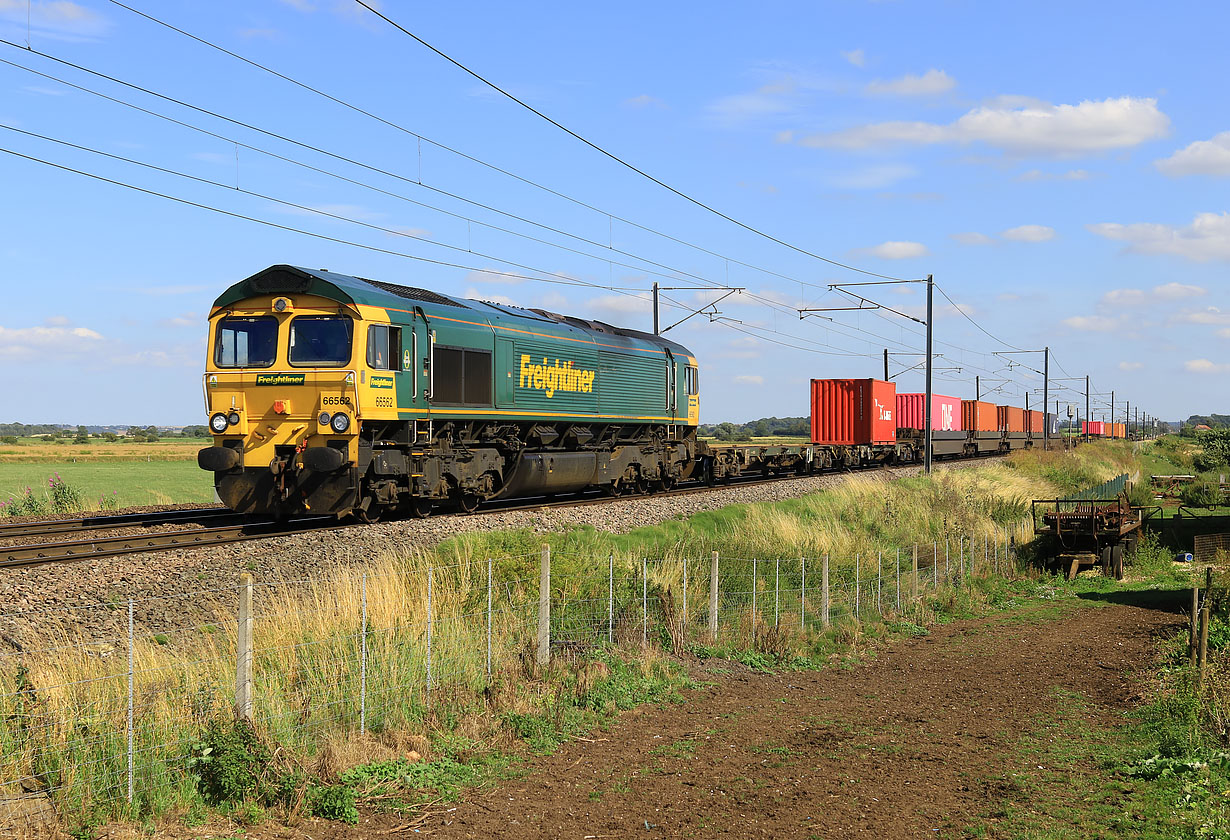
334,394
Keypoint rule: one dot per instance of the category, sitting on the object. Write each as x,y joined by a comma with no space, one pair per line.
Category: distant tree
110,437
195,432
11,439
83,435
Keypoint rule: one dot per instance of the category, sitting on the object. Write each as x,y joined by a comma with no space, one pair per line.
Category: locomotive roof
289,279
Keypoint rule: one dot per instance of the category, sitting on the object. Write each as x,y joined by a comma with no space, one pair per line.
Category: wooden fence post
243,652
1193,623
544,608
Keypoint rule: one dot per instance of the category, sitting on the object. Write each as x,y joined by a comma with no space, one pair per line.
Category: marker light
340,422
325,418
233,418
281,406
218,423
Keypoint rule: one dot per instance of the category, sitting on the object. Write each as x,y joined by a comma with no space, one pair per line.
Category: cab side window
384,347
691,381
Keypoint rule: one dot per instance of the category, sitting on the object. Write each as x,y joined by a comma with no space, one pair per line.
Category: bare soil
917,741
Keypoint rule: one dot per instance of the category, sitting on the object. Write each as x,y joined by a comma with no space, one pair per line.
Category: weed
333,802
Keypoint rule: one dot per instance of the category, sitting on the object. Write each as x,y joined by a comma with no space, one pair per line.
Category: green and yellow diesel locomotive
339,395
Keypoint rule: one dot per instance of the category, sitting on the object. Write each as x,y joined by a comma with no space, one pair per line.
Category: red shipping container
979,416
1011,418
1035,421
945,412
1093,427
853,411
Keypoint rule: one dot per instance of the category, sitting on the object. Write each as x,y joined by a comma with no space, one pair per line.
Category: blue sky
1060,169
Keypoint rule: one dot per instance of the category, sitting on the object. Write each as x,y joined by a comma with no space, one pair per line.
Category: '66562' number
327,400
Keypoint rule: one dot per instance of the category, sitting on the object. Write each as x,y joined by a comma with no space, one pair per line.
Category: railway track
42,553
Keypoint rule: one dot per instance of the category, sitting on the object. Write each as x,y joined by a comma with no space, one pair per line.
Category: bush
1201,493
9,439
63,497
229,764
27,504
333,802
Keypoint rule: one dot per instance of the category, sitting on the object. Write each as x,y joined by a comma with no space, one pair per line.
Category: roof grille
412,293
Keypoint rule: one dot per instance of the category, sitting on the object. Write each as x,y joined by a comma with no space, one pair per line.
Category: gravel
169,586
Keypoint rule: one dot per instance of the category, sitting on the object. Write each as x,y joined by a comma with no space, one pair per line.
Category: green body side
636,377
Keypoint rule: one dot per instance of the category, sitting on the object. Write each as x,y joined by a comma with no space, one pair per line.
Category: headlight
218,423
325,418
340,422
233,418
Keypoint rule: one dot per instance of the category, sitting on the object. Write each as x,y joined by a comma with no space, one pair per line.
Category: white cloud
773,99
60,19
187,319
1206,238
619,305
1092,323
1205,366
552,301
897,250
644,101
415,232
1176,291
1124,297
928,84
474,294
1209,316
356,212
856,57
164,291
1035,129
1224,333
1029,233
873,177
1204,157
53,340
492,275
971,238
157,358
56,321
1070,175
1131,365
749,380
45,91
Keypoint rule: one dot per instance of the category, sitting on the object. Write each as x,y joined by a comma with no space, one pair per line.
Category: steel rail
22,556
46,527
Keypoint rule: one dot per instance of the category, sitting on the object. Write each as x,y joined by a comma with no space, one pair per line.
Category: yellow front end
282,400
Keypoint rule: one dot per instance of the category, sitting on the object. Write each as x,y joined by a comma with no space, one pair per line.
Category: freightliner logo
280,378
561,376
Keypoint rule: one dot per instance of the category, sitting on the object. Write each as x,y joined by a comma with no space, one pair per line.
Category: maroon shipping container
853,411
1035,421
1011,418
979,416
945,412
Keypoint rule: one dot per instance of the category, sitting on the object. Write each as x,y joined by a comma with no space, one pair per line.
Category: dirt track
916,742
908,745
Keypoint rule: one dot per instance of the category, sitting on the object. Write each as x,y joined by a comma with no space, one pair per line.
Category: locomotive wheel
418,507
368,512
614,489
468,502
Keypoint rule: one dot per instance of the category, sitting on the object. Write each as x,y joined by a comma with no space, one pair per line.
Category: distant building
1200,427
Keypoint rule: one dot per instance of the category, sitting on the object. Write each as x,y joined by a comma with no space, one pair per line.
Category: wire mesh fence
107,724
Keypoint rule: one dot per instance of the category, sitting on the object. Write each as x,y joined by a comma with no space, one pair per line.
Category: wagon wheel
369,511
614,489
666,483
419,507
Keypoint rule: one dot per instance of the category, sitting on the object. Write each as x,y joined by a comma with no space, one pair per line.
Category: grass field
43,451
133,483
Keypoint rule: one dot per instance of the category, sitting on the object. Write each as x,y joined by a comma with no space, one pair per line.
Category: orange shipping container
1011,418
853,411
979,416
1035,421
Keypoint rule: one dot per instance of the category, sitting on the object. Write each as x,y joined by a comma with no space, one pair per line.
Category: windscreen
320,341
246,342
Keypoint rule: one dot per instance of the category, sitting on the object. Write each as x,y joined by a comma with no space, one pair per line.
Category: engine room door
414,380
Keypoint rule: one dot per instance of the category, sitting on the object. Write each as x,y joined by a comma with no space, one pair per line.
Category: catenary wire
487,164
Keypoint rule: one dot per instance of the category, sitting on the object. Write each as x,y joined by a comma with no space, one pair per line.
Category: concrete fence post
429,633
947,566
879,582
685,600
824,593
1202,662
489,588
803,592
713,596
857,575
363,655
754,596
914,575
1193,623
543,655
243,657
961,556
610,598
935,566
644,602
777,592
131,644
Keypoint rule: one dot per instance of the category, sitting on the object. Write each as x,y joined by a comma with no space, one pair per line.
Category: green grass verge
128,483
